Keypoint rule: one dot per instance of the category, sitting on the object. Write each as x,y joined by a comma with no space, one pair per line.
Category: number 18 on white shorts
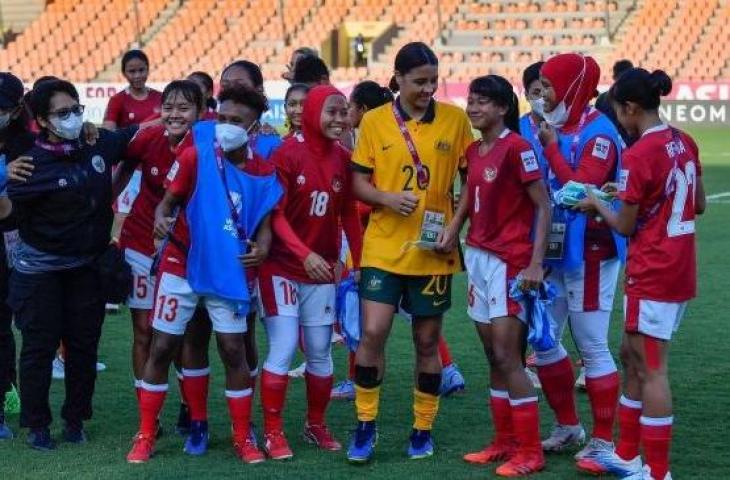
175,305
313,304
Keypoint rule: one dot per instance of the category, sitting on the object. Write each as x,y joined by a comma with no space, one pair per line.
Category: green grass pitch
699,368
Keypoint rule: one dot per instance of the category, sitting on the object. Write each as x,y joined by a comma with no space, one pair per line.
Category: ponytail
641,87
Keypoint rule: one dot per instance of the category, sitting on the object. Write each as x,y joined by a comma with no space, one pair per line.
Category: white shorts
143,285
175,305
312,303
129,194
590,287
488,288
652,318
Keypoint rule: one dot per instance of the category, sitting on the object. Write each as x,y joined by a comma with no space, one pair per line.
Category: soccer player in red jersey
661,191
293,106
176,301
205,82
506,202
136,103
297,282
152,151
580,144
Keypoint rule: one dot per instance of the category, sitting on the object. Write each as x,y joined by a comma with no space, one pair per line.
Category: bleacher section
83,40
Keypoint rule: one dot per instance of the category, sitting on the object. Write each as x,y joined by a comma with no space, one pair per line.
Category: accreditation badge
431,228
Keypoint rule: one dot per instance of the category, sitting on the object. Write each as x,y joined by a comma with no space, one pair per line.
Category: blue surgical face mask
68,128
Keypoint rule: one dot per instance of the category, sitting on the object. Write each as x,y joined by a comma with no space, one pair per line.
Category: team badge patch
337,185
490,174
98,163
443,146
154,171
623,180
375,284
62,182
601,148
301,180
529,161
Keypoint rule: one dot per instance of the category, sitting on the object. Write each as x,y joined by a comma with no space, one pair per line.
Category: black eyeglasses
64,113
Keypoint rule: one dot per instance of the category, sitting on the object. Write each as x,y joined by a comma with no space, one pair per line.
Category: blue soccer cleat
197,442
74,434
5,432
362,446
452,381
608,462
345,390
40,439
420,445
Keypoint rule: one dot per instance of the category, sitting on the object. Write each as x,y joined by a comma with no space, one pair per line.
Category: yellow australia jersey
441,138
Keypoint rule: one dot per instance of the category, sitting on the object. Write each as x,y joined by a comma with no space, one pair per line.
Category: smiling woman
411,149
137,102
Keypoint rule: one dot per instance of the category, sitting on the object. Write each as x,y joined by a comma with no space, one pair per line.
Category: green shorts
419,295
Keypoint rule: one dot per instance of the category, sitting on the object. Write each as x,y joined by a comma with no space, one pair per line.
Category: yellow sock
366,403
425,408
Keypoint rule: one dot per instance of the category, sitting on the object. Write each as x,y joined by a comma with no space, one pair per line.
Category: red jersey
125,110
181,183
501,213
150,151
659,174
317,195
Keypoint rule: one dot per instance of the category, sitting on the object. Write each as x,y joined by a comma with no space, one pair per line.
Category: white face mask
4,120
538,106
558,116
230,137
70,128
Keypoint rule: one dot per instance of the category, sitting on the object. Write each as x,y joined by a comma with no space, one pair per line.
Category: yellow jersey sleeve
466,138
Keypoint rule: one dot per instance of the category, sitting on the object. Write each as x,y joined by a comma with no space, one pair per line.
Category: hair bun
660,82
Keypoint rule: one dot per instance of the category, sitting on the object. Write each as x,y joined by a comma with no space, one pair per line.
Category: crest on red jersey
490,174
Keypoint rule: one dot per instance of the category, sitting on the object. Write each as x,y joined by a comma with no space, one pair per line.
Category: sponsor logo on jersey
97,161
173,171
490,174
623,179
601,148
529,161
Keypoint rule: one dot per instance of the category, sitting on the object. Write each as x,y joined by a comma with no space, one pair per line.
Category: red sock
195,388
150,404
501,416
656,438
239,408
444,352
273,395
629,412
558,382
526,424
351,366
603,395
318,397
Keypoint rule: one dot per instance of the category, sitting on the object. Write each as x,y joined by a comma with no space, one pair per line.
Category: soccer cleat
646,475
276,446
534,379
320,436
197,442
74,434
345,390
522,464
182,427
452,381
59,369
595,446
40,439
564,437
143,448
299,371
248,451
580,382
420,444
609,462
362,445
494,452
5,432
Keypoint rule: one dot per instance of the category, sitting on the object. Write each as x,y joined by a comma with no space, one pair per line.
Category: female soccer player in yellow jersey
405,162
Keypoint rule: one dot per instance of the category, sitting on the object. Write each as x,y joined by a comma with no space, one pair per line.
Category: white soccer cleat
645,474
608,462
564,437
595,446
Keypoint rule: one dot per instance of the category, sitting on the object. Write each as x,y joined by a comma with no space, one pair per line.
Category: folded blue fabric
348,312
539,319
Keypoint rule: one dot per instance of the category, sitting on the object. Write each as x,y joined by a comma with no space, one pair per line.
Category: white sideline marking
718,196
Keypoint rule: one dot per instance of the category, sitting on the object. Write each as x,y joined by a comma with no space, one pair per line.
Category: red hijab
574,78
311,115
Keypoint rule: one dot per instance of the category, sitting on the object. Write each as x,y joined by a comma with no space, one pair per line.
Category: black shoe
40,439
74,434
183,421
